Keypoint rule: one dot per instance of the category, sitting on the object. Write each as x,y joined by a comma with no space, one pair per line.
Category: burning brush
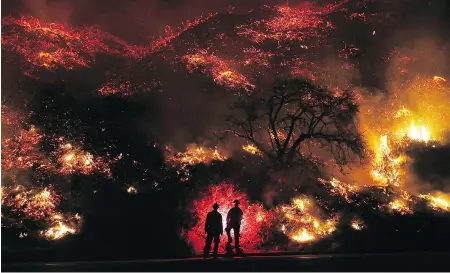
39,205
302,221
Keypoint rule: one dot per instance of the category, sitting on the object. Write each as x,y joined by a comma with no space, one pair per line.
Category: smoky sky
432,164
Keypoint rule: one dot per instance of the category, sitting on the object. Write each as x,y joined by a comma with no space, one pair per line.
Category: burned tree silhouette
299,124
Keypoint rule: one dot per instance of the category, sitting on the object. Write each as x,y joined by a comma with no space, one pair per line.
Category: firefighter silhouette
234,218
213,229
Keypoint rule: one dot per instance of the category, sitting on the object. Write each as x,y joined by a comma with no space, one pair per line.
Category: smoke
189,113
426,171
431,166
416,93
59,11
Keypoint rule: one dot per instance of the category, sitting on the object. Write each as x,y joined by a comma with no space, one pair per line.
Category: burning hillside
52,45
319,118
21,153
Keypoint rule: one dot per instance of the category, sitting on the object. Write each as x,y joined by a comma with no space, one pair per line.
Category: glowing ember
291,23
58,231
171,34
401,206
195,155
132,190
34,204
437,201
73,159
41,204
303,236
11,117
21,151
257,56
302,203
339,188
439,79
219,69
251,149
111,88
3,194
357,224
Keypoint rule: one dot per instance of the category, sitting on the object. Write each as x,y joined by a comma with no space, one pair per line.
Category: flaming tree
296,122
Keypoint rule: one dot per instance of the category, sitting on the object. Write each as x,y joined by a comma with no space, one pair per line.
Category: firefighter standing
234,219
213,229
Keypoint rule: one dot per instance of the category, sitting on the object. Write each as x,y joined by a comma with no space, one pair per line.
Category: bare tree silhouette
295,121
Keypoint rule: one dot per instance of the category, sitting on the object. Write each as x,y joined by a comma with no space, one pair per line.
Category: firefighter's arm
221,225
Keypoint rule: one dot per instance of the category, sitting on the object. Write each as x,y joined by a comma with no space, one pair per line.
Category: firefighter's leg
236,238
228,231
216,244
208,242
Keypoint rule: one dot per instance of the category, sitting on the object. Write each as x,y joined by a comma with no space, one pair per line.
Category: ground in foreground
276,262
